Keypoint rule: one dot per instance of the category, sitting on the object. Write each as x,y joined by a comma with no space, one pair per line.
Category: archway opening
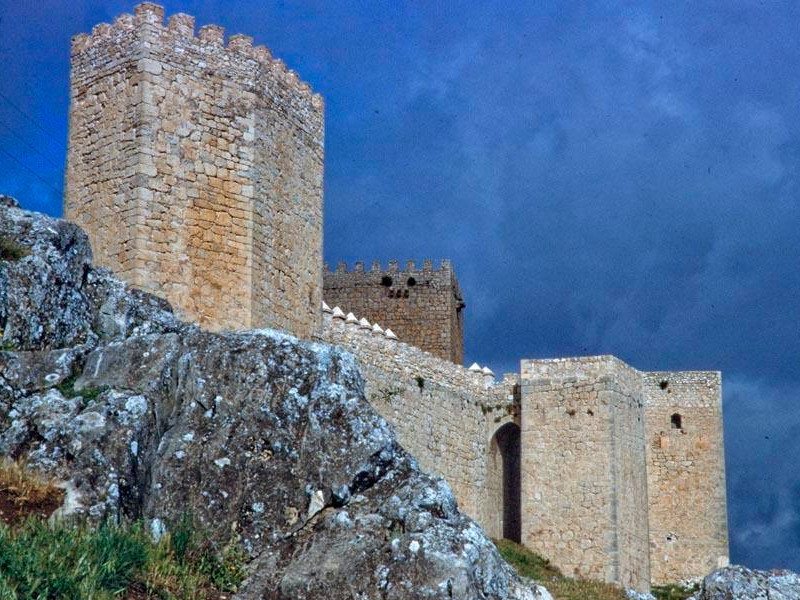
506,451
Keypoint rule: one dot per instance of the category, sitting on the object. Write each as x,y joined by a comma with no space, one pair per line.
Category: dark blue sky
605,178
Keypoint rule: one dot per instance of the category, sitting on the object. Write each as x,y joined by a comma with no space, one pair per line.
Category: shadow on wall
505,470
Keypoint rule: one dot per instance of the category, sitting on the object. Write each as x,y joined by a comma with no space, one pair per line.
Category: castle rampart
423,306
196,170
593,492
439,409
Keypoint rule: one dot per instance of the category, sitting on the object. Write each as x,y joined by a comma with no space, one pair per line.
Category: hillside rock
743,583
260,437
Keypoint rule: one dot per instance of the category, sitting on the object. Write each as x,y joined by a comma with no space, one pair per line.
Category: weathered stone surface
685,475
36,312
261,437
738,582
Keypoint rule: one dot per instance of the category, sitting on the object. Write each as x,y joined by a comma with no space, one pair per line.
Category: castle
195,167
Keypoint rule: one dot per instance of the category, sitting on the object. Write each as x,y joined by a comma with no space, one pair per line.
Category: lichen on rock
741,582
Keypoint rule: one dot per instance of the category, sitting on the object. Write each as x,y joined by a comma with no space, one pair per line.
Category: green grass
529,564
40,562
673,592
11,250
67,389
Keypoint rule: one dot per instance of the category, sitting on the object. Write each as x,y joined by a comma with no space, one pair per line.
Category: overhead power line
41,128
31,171
29,145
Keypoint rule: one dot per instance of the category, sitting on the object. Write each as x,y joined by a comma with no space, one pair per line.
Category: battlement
393,266
209,40
423,305
384,347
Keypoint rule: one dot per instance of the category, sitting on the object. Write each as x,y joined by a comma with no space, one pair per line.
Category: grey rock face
260,437
742,583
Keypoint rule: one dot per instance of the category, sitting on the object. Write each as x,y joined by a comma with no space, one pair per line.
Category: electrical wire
27,116
31,171
29,145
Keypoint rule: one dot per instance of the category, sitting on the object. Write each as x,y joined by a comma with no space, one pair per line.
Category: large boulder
741,583
262,438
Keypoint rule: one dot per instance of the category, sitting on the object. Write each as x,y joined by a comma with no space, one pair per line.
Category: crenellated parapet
423,304
179,31
444,267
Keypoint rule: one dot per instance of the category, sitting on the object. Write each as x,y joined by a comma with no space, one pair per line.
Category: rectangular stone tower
196,168
423,307
685,474
584,478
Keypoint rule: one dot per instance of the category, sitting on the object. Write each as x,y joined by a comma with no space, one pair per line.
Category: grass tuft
40,561
23,493
11,250
530,564
674,591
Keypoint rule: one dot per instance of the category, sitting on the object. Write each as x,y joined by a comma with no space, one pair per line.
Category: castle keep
195,166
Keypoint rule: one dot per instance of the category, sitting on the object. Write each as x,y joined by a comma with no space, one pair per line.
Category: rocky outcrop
741,583
260,437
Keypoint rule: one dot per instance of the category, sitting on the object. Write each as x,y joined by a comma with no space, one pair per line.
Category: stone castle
196,167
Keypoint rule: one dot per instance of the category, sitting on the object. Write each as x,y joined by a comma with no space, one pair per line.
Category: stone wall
102,175
686,474
196,170
439,410
584,482
422,306
603,491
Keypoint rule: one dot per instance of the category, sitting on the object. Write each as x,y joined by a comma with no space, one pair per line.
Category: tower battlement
393,266
182,26
195,167
423,306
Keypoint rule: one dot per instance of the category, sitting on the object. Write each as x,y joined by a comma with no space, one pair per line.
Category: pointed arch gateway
504,482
